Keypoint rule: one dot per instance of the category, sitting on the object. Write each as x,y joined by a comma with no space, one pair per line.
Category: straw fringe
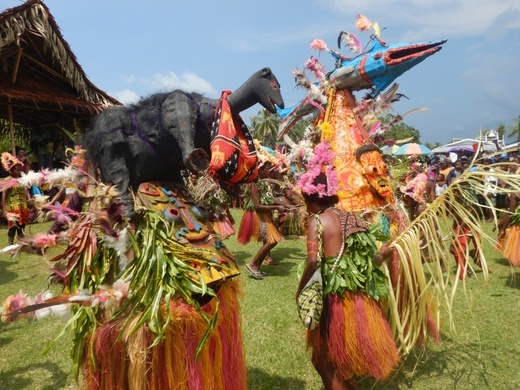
245,230
359,340
414,303
124,358
510,246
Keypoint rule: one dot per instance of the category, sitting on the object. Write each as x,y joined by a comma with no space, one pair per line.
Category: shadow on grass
6,276
5,340
454,365
261,380
513,280
16,379
502,261
280,253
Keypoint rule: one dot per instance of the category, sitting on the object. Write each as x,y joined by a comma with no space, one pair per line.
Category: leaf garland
355,269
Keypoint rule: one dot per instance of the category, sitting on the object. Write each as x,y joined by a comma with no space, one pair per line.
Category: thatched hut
42,85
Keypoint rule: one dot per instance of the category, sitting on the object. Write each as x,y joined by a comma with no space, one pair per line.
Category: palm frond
422,287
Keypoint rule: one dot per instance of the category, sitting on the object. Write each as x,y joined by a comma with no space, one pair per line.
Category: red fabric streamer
233,154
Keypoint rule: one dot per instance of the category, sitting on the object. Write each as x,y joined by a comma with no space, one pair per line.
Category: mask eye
275,85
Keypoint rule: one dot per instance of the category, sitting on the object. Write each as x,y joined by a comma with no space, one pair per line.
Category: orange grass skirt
124,359
355,337
260,226
510,246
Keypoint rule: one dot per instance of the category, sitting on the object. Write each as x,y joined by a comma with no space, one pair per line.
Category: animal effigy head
379,66
266,89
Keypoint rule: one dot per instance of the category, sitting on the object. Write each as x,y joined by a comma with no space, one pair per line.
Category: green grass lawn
482,353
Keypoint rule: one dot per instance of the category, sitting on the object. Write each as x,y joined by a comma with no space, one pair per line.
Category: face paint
376,172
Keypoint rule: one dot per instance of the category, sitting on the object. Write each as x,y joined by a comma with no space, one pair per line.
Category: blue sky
134,48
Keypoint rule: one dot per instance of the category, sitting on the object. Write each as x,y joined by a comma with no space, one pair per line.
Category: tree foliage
21,136
265,128
399,130
515,129
432,146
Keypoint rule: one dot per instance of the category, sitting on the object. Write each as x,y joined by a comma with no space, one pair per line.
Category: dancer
509,231
258,222
463,237
22,156
353,338
14,198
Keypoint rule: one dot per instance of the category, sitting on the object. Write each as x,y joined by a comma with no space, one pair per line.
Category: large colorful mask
374,170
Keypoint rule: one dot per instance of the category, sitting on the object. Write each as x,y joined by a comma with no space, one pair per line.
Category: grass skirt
123,358
260,226
510,246
355,337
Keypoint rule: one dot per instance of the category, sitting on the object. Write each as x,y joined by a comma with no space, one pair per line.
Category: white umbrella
389,149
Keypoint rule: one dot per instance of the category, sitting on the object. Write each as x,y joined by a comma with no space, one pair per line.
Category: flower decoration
316,68
321,162
318,44
12,217
351,41
362,23
78,159
327,131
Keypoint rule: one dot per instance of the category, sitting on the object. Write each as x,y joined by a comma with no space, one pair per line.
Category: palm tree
515,129
265,127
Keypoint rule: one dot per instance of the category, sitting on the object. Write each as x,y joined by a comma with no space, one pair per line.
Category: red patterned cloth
233,154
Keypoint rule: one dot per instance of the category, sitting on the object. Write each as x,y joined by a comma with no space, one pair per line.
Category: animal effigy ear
266,71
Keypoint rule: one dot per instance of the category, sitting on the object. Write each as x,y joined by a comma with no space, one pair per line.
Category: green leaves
160,273
356,270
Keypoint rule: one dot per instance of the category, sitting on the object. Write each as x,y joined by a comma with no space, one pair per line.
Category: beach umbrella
461,149
412,148
389,149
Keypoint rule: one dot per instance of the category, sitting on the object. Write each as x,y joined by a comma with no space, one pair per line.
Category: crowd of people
21,206
327,230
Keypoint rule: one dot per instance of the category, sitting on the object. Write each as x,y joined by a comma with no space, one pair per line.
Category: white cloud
508,20
126,96
187,81
447,17
161,82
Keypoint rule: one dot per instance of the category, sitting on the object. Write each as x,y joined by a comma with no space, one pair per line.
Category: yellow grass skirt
123,359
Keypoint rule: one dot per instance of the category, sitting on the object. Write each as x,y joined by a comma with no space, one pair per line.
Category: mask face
376,172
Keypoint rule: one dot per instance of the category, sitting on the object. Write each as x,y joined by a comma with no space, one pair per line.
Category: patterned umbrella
456,149
412,148
389,149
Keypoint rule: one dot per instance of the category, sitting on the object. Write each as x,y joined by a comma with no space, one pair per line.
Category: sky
131,49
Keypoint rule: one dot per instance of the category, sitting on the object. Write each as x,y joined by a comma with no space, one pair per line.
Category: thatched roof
40,77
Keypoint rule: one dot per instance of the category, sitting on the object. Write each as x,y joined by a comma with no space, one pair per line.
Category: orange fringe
355,337
510,246
124,359
260,226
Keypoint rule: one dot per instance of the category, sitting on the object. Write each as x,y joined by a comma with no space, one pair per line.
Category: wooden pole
11,126
9,105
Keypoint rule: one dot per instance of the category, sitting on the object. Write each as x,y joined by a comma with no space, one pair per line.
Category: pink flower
315,67
318,44
321,162
44,240
352,42
12,217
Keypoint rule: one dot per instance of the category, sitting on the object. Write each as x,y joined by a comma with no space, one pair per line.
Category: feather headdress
9,161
